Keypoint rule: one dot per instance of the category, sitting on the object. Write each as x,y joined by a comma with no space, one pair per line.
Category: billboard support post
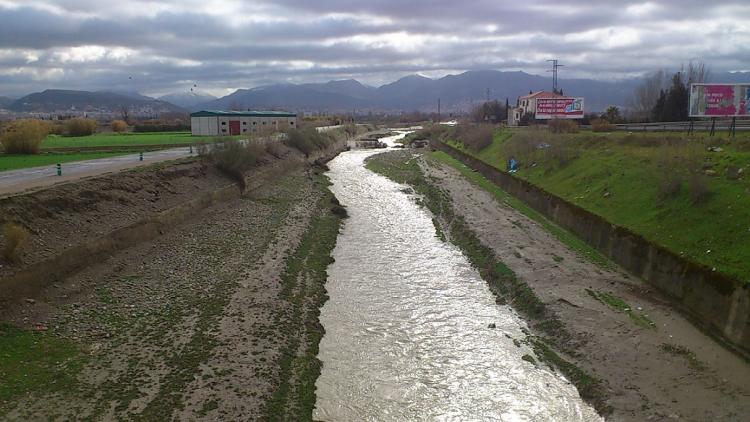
690,128
713,126
733,128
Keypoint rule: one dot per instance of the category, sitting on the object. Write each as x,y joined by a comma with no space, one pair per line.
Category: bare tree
646,94
125,114
696,73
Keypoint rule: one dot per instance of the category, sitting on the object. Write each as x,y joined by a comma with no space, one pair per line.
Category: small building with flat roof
228,123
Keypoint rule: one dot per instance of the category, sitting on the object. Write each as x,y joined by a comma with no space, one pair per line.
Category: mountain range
57,100
187,100
457,93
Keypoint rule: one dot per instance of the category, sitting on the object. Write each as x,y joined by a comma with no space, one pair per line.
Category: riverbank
185,290
212,320
629,353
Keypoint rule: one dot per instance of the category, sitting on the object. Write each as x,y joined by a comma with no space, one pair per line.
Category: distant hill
5,102
456,92
57,100
288,96
187,100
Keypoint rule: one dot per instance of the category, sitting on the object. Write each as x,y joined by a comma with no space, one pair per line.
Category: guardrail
698,126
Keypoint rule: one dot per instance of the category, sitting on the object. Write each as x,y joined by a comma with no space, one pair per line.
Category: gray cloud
167,45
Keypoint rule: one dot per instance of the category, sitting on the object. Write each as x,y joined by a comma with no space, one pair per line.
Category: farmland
125,139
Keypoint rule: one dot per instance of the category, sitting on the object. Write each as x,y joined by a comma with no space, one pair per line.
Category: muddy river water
407,334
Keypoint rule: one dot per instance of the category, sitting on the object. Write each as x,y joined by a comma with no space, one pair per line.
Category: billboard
719,100
559,108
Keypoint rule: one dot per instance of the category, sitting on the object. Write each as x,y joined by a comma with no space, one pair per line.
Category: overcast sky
168,46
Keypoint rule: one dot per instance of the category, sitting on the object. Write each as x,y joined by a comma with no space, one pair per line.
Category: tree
676,105
696,73
657,112
125,114
119,126
490,111
612,114
647,94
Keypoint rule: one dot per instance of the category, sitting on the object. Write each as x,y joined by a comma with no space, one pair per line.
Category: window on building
223,131
264,122
255,123
291,123
244,130
244,123
223,123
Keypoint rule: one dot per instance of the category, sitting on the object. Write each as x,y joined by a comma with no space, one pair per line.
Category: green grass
18,161
616,176
303,285
32,361
689,355
620,305
127,139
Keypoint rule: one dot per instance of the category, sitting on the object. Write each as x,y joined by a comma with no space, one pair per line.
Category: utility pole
555,66
438,111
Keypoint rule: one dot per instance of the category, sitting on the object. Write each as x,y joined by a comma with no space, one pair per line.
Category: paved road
15,181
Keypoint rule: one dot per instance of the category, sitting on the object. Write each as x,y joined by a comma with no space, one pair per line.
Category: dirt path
192,326
669,370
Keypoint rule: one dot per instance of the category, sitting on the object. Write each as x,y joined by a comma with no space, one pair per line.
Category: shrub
15,237
161,126
562,126
601,125
307,140
119,126
698,187
24,136
234,158
733,172
80,127
475,137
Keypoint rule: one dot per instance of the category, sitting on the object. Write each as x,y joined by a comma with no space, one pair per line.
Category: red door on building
234,127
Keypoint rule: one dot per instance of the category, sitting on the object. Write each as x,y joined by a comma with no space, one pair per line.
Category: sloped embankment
210,315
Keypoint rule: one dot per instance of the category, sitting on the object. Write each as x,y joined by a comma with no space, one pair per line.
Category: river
407,334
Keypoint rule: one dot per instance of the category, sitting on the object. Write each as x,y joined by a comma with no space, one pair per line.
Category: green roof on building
216,113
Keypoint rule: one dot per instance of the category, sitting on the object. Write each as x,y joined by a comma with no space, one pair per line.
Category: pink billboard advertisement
559,108
719,100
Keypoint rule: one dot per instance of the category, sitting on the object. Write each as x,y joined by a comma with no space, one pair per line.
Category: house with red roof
527,105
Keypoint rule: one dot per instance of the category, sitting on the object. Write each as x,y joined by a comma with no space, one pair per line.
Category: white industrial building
227,123
527,105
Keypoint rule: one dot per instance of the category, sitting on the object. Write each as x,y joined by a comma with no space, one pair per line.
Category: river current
407,334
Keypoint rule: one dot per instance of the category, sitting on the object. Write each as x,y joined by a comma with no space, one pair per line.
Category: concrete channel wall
715,302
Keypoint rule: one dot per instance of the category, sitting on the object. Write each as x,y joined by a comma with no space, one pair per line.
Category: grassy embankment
507,288
49,362
667,187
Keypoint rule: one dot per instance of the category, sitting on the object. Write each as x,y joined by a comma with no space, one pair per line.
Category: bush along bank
507,288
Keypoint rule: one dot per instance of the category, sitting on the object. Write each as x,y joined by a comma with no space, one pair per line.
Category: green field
127,139
17,161
669,188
